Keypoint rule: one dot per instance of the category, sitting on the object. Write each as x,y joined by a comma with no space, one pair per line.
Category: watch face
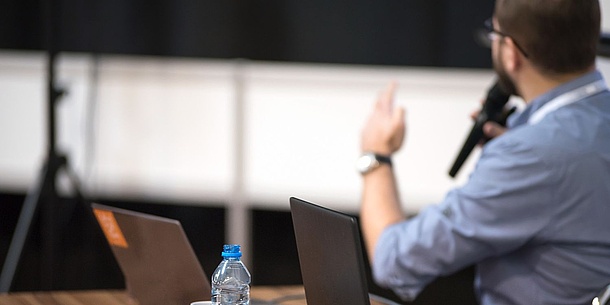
366,163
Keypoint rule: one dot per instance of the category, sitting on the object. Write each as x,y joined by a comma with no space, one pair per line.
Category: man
535,214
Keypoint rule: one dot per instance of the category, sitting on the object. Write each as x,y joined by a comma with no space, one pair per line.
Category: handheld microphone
491,111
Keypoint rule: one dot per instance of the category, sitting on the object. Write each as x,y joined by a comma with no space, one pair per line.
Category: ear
511,55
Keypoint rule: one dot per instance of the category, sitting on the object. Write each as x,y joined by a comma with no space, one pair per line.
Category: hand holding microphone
492,111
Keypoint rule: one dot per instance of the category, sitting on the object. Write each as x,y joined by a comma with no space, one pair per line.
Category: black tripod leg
41,198
28,211
56,214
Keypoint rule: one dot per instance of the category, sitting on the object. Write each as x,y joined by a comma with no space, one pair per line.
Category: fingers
384,130
386,99
475,114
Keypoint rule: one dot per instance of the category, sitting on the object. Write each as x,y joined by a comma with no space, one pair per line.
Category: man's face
504,80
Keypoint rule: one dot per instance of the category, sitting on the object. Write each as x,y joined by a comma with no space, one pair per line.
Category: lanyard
568,98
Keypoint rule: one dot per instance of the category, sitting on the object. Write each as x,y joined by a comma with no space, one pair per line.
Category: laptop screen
155,256
330,255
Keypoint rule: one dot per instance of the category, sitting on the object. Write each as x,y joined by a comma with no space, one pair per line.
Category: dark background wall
436,33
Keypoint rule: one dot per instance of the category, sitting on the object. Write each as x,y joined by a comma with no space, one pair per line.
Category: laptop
155,256
330,255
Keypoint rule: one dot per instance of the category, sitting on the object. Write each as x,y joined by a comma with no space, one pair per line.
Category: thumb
398,117
398,128
493,129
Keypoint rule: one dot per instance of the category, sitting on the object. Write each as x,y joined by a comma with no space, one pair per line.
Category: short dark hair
559,36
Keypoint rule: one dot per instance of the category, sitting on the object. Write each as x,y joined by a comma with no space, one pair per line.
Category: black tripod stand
43,196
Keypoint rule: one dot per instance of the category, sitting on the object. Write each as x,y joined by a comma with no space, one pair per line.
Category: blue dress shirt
534,216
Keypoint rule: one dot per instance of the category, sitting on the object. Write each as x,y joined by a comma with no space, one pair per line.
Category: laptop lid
330,255
155,256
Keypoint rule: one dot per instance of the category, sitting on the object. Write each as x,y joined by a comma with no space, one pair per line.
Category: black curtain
436,33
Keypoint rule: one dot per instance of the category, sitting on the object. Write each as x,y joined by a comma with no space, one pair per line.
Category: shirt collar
522,117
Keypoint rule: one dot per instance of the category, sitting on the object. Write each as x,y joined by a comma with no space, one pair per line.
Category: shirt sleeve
504,205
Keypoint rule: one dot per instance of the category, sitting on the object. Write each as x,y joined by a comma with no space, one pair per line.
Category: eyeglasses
492,34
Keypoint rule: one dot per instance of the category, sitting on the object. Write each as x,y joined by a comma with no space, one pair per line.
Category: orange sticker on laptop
111,228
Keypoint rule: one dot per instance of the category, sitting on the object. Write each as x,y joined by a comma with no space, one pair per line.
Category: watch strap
383,159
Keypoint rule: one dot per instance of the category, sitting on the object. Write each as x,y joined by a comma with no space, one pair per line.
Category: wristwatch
369,161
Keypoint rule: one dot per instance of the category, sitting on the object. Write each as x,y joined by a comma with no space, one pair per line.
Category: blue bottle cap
231,251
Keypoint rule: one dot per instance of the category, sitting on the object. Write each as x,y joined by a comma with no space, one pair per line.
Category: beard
506,84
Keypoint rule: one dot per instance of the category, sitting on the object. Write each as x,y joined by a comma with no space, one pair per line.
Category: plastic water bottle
231,279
